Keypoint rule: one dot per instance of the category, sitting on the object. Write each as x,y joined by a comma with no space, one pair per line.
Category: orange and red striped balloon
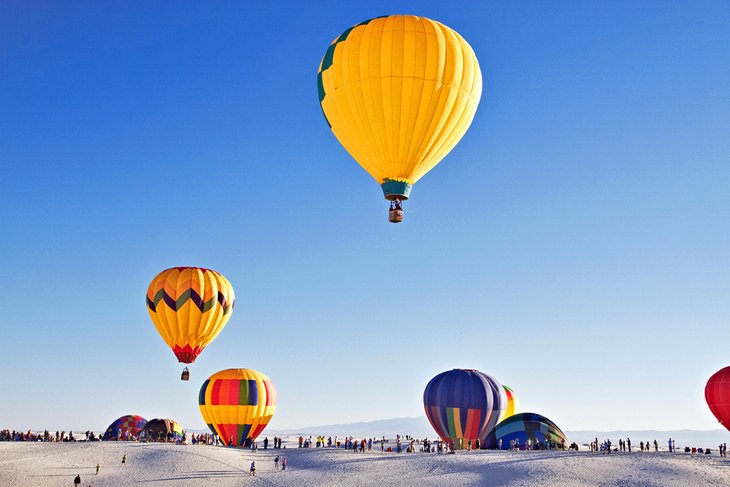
237,404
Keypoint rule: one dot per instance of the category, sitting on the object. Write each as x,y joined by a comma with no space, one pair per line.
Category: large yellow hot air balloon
189,307
237,404
399,92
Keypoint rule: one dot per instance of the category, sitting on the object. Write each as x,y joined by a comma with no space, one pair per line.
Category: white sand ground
56,464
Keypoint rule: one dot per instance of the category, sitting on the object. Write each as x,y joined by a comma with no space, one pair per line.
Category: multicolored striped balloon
513,404
237,404
129,426
189,306
463,405
524,428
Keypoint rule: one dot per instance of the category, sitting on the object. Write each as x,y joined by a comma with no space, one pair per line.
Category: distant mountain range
416,427
419,427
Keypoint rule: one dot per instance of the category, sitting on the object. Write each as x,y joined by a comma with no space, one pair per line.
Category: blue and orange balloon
464,405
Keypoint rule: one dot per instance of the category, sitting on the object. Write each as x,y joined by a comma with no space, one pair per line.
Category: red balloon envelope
717,395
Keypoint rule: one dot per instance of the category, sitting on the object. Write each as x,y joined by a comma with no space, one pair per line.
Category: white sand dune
56,464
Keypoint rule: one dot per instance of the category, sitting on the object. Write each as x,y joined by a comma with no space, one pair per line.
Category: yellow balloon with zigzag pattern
189,306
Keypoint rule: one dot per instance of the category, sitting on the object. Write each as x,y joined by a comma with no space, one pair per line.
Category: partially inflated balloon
524,429
463,404
717,395
513,404
125,427
237,404
399,92
189,306
162,429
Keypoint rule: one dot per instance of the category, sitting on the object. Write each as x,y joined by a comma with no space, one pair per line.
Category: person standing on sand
670,446
283,463
97,468
77,480
276,462
656,446
252,470
628,443
124,459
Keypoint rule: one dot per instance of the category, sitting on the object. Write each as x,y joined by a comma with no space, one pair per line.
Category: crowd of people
46,436
400,444
63,436
546,444
607,447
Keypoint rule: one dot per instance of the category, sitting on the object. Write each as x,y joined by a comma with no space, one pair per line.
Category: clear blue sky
575,244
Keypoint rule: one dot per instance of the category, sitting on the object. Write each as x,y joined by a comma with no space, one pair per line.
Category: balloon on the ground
399,92
463,405
125,427
189,306
526,428
162,429
513,404
717,395
237,404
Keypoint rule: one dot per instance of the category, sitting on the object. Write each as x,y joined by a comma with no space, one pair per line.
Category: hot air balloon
513,404
189,306
463,405
717,395
162,429
526,428
399,92
125,427
237,404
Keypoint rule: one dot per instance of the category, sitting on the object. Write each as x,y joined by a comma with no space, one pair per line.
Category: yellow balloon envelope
189,306
399,92
513,404
237,404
